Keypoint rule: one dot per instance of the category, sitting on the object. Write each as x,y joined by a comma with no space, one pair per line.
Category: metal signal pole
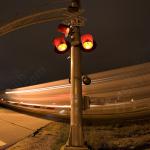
76,140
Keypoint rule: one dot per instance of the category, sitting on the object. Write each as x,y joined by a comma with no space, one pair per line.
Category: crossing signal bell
86,80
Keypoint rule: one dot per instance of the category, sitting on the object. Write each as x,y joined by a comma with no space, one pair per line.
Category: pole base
73,148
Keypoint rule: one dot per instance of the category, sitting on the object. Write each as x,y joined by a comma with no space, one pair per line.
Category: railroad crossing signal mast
71,39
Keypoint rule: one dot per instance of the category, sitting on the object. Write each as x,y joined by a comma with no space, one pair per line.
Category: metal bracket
86,102
74,18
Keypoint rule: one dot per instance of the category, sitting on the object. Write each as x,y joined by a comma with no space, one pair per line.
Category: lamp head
61,46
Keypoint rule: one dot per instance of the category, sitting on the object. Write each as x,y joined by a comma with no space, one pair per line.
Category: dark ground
116,136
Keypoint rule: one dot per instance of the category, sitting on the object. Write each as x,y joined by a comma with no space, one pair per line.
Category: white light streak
39,89
40,105
63,106
53,87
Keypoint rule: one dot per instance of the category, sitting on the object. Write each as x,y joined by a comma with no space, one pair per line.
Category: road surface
15,126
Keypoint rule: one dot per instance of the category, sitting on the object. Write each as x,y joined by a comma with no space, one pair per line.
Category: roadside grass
100,137
110,137
62,137
118,136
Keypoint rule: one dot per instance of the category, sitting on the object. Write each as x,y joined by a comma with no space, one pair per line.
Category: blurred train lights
87,42
61,46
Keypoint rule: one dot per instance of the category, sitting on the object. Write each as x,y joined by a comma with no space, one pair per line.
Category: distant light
62,111
87,41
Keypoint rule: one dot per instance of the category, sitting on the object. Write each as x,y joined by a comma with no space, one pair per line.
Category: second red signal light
87,42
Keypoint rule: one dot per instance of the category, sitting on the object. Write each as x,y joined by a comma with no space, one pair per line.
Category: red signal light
61,46
87,41
64,29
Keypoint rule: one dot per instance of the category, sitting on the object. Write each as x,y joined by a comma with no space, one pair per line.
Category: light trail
40,105
106,101
40,89
41,17
38,18
54,87
96,81
65,106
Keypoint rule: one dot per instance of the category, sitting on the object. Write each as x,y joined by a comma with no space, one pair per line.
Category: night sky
121,29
